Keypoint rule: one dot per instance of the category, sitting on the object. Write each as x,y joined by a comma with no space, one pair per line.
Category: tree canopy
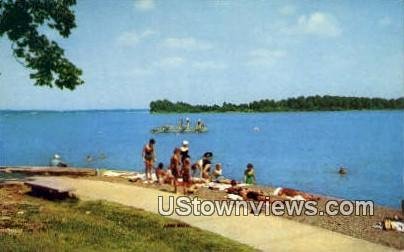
21,21
310,103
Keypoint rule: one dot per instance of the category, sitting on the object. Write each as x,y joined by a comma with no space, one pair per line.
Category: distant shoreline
210,112
295,104
275,112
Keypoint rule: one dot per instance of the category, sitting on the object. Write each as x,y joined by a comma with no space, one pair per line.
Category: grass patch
87,226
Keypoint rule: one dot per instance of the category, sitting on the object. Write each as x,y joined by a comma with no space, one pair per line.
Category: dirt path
263,232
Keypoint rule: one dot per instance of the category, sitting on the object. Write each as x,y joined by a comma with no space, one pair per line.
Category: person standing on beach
184,151
175,167
249,175
149,157
186,174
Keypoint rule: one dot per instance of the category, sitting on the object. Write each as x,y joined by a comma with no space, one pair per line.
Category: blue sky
133,52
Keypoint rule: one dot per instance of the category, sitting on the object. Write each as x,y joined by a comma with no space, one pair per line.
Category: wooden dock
47,170
50,190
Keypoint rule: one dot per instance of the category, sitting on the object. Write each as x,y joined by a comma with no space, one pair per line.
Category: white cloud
317,23
144,5
385,21
187,43
132,38
265,57
209,65
171,62
287,10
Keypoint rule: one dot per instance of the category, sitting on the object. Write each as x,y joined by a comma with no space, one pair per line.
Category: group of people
181,166
198,126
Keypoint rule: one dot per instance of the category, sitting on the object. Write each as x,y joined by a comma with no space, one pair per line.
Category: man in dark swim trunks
175,167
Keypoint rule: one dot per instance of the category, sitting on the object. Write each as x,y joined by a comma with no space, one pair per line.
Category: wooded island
310,103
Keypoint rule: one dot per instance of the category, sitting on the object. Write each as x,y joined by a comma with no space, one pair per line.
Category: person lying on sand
247,193
294,194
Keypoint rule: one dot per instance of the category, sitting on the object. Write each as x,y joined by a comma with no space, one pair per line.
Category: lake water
299,150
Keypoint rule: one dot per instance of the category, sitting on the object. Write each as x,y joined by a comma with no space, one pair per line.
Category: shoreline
276,111
97,171
190,112
354,226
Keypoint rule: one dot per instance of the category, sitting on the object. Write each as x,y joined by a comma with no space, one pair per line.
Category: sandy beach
355,226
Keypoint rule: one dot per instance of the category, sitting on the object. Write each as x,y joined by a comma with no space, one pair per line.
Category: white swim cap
277,191
185,142
56,156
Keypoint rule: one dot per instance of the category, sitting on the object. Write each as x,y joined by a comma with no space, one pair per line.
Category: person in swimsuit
249,174
149,157
217,172
184,151
202,165
160,173
294,194
175,167
186,174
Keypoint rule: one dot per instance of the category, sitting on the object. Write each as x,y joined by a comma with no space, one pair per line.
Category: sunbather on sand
247,193
294,194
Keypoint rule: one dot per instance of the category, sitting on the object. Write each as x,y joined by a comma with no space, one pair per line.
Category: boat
177,129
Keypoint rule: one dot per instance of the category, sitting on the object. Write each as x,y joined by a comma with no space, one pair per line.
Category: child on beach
161,174
175,167
249,174
149,157
217,172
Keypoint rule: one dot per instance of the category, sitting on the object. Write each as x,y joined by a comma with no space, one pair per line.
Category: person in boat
56,161
217,172
184,151
149,157
203,166
249,174
199,125
294,194
187,123
175,167
181,123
